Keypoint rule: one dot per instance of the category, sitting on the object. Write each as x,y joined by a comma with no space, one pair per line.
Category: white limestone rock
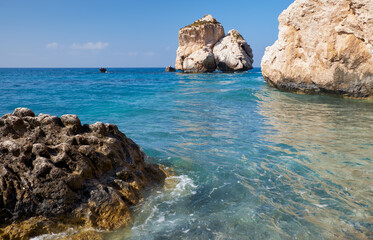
323,46
204,32
232,53
200,61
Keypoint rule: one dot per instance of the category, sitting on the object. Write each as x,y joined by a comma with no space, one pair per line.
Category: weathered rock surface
232,53
170,69
203,47
55,171
323,47
204,32
200,61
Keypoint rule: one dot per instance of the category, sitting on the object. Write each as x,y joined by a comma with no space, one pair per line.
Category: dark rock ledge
56,173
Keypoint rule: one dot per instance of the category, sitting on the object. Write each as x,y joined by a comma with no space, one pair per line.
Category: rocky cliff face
199,50
323,47
55,171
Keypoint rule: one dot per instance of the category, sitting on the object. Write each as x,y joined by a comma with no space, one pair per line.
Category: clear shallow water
252,162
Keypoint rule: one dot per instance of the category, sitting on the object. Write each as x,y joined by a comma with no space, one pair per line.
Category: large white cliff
324,46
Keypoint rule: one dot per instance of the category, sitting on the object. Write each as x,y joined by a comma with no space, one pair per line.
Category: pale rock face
204,32
200,61
324,46
232,53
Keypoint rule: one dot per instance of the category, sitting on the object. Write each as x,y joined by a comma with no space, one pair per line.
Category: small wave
52,236
184,185
163,206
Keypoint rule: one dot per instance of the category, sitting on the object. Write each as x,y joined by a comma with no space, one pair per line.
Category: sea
249,161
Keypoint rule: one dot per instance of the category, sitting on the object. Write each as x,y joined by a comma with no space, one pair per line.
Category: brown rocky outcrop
203,47
323,47
54,171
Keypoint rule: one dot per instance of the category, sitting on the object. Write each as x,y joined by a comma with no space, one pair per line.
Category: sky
121,33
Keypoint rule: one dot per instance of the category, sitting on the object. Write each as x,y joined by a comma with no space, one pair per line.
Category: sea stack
203,47
170,69
232,53
56,173
323,47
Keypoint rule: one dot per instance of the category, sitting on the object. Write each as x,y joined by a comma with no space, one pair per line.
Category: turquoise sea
251,162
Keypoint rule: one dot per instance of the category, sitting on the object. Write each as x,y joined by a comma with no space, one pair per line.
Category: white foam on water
52,236
157,207
68,232
184,186
321,205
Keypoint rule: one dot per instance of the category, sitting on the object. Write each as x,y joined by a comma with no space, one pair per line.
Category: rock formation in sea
54,172
323,47
203,47
232,53
201,60
170,69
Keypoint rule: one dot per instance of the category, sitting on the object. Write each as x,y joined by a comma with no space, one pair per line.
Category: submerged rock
232,53
204,32
170,69
323,47
55,171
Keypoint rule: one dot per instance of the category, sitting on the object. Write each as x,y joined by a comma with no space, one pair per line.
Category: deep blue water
251,162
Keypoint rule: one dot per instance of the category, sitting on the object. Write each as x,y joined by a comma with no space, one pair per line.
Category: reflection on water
263,164
327,158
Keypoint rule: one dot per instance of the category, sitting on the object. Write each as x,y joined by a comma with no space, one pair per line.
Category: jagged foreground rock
54,171
203,47
323,47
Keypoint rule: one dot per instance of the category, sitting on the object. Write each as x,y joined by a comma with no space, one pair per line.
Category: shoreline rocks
323,47
204,47
55,172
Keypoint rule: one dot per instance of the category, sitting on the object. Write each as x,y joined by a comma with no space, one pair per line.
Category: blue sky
120,33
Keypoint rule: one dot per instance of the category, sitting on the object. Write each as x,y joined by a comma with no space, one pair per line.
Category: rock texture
323,47
170,69
204,32
55,171
203,45
232,53
201,60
